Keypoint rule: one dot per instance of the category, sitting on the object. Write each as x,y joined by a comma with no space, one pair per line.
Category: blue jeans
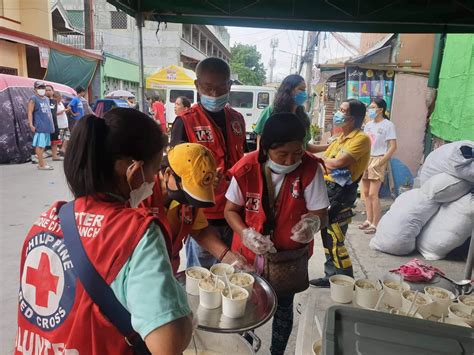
197,256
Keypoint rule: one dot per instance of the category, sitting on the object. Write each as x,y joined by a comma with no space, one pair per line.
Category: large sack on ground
448,229
445,188
399,227
449,159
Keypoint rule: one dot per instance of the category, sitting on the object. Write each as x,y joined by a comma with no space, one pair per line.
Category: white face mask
41,92
282,169
142,193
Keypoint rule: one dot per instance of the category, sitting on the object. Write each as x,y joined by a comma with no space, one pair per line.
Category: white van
250,101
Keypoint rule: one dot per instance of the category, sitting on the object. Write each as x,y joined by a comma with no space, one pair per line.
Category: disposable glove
256,242
306,228
237,261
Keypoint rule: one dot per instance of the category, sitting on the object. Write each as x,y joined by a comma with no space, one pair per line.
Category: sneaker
321,282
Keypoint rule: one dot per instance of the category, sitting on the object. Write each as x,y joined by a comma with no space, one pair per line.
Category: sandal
364,225
46,167
58,159
371,229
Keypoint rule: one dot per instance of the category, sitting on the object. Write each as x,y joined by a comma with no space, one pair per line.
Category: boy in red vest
215,125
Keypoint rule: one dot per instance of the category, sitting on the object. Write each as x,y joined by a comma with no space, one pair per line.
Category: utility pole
141,91
273,46
311,43
88,25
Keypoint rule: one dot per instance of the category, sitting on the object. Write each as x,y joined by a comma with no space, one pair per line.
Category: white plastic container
423,303
366,293
458,312
220,269
242,279
209,295
403,313
317,347
453,321
393,292
467,301
342,288
235,307
442,299
193,276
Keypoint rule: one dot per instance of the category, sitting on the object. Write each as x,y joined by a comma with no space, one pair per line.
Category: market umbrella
119,94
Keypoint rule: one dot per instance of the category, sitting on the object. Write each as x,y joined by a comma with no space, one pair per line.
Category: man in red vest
214,124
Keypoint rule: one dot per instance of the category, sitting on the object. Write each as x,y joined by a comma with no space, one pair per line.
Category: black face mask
177,195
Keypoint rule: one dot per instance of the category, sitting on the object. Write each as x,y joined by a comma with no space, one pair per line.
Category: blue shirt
77,107
42,118
147,288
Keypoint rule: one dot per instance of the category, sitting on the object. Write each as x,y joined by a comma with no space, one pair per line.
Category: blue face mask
282,169
300,98
339,119
214,104
372,113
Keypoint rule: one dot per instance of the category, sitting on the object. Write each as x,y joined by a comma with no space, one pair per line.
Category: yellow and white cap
196,167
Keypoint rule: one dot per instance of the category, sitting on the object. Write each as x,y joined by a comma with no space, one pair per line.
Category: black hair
381,103
80,89
186,102
284,98
357,110
97,143
213,65
51,86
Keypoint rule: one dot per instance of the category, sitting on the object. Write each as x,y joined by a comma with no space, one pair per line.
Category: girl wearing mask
276,203
290,97
110,166
384,144
181,105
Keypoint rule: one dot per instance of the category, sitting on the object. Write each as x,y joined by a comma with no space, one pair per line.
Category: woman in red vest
276,202
110,167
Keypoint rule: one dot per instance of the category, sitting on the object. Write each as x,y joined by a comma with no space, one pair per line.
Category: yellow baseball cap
194,164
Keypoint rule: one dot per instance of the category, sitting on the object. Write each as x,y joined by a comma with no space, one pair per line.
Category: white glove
256,242
306,228
238,261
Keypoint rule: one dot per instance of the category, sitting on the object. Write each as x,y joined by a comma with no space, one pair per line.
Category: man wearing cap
41,123
188,173
214,124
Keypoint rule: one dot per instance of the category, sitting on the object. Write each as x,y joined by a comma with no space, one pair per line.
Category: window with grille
187,32
195,39
118,20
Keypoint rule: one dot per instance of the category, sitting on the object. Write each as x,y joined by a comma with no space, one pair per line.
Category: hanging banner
367,84
44,56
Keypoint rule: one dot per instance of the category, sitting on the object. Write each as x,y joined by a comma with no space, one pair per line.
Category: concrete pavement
25,192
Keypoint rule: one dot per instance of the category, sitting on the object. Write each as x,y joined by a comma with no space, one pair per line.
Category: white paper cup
219,270
467,301
403,313
453,312
342,288
210,298
423,309
235,307
242,279
440,304
393,292
193,276
366,297
317,347
453,321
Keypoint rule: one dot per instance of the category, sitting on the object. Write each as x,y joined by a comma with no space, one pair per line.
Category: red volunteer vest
291,205
200,128
55,314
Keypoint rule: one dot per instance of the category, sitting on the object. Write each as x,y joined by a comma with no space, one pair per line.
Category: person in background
181,105
109,167
214,124
76,106
132,102
41,122
55,140
63,125
290,97
346,160
277,200
159,111
148,103
384,144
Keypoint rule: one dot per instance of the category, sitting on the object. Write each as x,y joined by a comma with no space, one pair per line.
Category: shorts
375,170
42,140
64,134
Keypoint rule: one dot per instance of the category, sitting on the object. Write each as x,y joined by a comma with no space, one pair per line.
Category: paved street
25,192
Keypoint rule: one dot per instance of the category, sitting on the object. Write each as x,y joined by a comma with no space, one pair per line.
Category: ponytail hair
97,143
381,103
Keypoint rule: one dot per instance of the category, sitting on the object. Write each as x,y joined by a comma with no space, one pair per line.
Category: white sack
399,227
448,159
448,229
445,188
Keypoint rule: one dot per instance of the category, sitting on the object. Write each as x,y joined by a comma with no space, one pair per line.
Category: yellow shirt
357,145
174,218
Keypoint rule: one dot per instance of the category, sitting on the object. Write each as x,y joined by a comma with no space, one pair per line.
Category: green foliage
246,62
315,131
